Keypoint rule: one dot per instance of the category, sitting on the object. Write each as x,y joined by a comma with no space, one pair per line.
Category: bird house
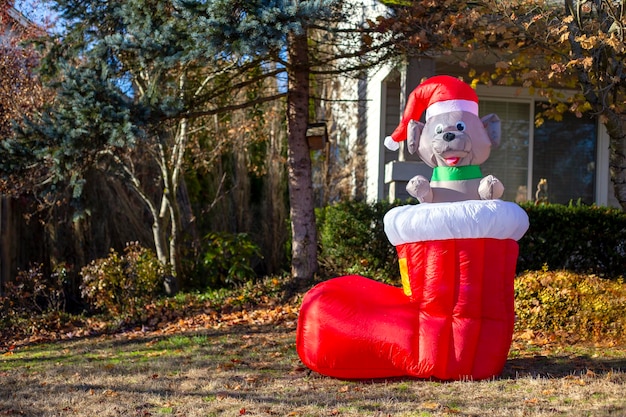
317,136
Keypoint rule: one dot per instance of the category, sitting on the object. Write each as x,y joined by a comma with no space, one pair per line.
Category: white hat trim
447,106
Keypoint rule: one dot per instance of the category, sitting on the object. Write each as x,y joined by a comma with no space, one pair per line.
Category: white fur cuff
469,219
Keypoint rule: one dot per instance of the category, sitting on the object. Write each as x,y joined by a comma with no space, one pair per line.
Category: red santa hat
437,95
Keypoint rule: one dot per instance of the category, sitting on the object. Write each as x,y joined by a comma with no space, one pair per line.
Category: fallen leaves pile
165,318
257,306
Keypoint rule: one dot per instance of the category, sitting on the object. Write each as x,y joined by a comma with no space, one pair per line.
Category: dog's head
456,138
453,134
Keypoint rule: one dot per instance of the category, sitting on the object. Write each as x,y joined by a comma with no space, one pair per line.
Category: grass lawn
248,369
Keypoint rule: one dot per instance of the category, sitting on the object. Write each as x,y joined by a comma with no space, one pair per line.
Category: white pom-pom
391,144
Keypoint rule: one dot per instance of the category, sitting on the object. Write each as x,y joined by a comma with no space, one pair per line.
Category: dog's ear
491,122
413,133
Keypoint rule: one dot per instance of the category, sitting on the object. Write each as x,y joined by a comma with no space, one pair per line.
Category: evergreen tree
133,76
130,79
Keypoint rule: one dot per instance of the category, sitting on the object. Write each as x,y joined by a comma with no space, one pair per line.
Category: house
12,21
572,155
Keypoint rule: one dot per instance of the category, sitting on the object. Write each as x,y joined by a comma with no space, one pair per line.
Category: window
509,162
563,153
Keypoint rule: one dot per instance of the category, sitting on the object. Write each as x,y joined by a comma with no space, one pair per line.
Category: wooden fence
22,242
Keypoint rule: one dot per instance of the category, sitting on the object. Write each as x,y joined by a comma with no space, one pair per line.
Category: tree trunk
616,128
302,210
592,88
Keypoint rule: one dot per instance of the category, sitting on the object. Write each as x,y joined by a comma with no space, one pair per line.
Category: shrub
122,285
34,301
585,239
227,259
33,292
352,240
583,307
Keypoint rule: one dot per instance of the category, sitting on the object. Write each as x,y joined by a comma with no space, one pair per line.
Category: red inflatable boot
453,317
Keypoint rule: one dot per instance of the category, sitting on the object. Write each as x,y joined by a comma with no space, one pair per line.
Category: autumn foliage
570,306
21,93
120,285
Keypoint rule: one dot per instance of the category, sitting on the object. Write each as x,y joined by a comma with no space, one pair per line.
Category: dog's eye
460,126
439,129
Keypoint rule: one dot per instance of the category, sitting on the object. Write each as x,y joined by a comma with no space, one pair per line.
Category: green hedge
578,238
352,240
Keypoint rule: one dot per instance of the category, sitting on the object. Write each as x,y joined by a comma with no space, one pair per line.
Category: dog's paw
419,187
490,188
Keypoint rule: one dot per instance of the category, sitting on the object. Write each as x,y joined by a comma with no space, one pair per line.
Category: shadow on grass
562,366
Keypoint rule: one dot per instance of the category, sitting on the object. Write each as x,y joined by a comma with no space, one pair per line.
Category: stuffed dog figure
453,140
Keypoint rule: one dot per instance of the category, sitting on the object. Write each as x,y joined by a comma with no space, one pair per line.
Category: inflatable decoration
453,317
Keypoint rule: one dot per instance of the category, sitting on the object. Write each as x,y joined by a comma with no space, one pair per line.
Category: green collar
467,172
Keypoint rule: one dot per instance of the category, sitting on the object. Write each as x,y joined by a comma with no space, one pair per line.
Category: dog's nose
449,136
